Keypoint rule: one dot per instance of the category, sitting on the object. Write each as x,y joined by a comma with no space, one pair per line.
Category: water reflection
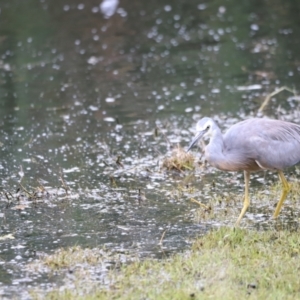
80,87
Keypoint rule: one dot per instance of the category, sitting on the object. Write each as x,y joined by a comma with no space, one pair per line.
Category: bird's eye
207,127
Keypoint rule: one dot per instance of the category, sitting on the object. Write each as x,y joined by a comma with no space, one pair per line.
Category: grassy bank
224,264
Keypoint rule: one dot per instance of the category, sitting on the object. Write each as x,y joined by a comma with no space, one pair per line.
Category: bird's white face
204,128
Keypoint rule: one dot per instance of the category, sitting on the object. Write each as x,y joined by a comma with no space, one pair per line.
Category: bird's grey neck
214,149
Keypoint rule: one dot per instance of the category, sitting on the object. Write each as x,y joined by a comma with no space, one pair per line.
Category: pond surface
94,95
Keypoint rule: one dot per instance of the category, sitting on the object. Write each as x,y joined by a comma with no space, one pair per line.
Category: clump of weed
78,257
64,258
180,160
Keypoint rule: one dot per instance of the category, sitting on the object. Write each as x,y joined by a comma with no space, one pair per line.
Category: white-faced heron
252,145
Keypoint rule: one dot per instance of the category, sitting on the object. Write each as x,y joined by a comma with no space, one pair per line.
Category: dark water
81,86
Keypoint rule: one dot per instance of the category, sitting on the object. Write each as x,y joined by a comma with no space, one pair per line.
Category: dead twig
269,96
199,203
162,237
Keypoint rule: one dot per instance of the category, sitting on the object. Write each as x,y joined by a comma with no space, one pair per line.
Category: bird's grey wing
272,144
275,154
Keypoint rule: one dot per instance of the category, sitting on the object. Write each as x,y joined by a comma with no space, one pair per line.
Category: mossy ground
227,263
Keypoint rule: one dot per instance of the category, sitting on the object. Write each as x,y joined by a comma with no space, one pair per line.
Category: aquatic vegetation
25,194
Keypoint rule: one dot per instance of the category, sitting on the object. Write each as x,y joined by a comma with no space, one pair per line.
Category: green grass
224,264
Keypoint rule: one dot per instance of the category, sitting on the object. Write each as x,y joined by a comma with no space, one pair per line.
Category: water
83,84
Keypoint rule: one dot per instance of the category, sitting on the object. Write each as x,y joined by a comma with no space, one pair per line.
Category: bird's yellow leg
285,189
246,200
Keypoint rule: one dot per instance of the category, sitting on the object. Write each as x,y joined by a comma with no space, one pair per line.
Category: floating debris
249,87
7,237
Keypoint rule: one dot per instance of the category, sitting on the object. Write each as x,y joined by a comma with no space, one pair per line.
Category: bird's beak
198,136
